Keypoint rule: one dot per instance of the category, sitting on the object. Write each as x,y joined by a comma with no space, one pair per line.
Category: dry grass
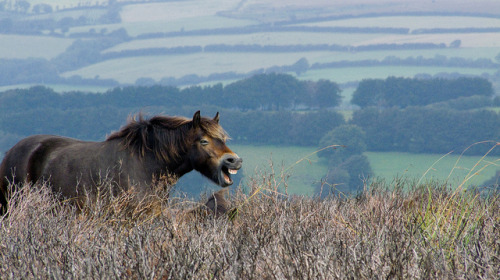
429,232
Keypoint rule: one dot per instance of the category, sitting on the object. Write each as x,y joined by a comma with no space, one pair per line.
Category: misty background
398,84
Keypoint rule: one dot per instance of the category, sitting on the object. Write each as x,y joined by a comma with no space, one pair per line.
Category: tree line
404,92
265,103
428,129
273,109
266,100
263,92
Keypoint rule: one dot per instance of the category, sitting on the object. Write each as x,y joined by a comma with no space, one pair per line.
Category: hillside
192,42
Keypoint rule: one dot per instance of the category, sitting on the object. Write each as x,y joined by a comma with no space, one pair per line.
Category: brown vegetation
427,232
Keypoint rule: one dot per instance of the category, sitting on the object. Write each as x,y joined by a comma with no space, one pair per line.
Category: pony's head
209,154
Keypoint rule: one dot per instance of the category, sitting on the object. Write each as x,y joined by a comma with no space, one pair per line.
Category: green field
412,22
127,70
20,46
135,29
261,38
61,88
454,168
349,74
306,169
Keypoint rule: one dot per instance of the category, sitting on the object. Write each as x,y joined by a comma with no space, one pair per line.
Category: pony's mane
163,135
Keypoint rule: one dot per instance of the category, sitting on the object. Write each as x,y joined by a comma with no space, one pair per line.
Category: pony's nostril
233,161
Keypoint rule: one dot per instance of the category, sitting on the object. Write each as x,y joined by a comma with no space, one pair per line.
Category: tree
347,177
22,6
349,141
264,92
42,8
335,182
359,170
301,66
327,94
455,44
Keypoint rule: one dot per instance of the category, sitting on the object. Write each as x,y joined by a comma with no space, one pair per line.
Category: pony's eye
204,142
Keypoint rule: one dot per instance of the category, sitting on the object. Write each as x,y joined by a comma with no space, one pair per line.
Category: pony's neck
176,166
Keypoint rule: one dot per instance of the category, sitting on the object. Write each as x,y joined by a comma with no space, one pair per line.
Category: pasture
411,22
349,74
304,168
61,88
260,38
23,46
127,70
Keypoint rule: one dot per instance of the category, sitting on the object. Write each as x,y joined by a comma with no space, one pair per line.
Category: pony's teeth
233,171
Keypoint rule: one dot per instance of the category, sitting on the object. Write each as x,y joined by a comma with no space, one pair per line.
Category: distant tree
301,66
404,92
336,182
6,25
327,94
265,92
42,8
455,44
22,6
350,140
347,177
145,82
359,170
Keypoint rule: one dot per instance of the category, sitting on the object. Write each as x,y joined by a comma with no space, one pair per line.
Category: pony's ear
216,118
196,119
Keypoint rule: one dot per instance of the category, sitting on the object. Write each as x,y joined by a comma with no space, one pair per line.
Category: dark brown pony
133,157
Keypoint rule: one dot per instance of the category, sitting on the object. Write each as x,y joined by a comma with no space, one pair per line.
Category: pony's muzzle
230,164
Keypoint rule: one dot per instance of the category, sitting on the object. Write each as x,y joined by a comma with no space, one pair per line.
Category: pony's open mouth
226,175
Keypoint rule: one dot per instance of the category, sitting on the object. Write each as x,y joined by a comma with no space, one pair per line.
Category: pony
139,154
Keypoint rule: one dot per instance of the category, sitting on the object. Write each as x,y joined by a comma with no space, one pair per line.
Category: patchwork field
206,23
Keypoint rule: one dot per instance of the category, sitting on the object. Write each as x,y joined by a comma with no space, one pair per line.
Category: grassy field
412,22
300,163
174,10
280,9
61,88
261,38
349,74
424,167
128,70
306,169
468,40
19,46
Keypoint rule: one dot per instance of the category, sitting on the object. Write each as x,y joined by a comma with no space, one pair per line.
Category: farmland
402,30
306,169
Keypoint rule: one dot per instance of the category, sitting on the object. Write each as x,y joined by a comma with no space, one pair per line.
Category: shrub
427,232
